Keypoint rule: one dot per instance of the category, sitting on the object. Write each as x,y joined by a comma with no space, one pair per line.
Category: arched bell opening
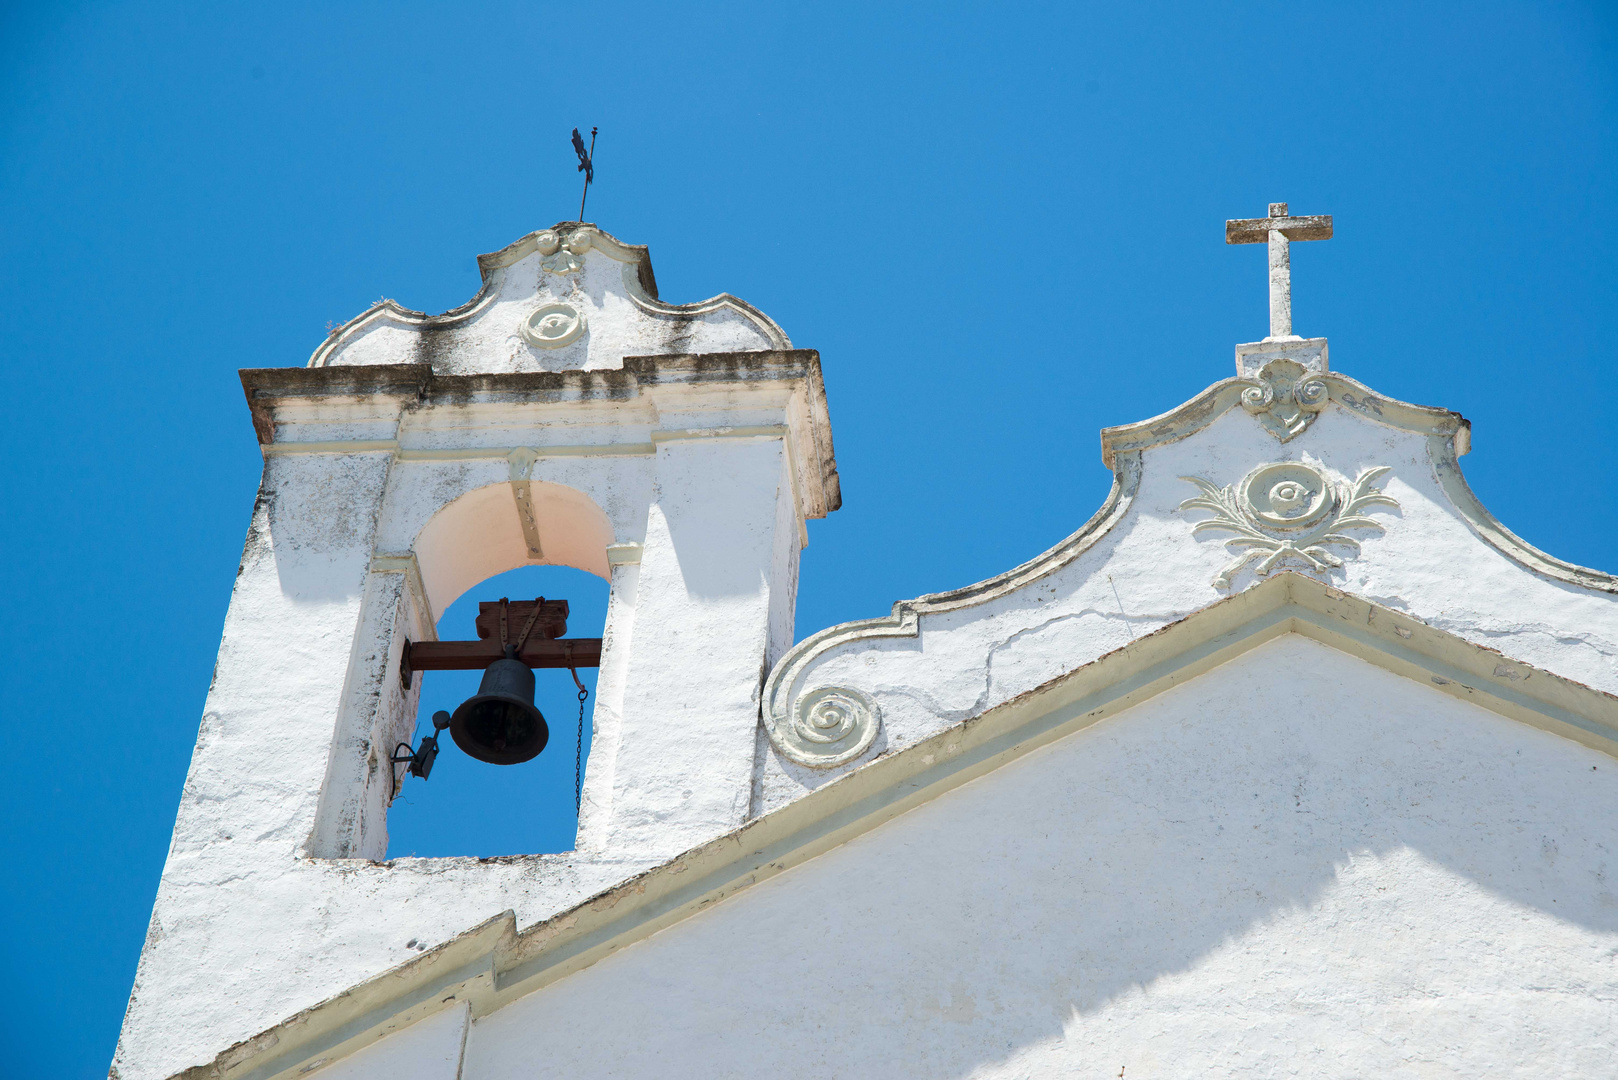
472,807
539,540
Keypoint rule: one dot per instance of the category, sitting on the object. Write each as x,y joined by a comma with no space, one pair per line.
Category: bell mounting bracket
501,624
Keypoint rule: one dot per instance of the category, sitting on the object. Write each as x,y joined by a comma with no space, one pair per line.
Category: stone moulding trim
724,301
336,446
1223,396
480,453
1447,467
414,386
407,565
1448,436
639,284
493,965
624,554
763,431
637,256
458,453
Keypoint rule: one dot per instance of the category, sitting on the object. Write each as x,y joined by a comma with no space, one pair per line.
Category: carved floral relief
1287,510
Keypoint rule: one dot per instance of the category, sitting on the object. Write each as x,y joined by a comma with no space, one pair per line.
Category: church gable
1286,469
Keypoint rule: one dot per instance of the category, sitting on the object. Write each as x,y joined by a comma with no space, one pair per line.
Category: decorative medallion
562,255
826,727
1288,510
1285,397
550,326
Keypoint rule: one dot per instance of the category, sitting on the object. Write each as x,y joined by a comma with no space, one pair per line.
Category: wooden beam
476,655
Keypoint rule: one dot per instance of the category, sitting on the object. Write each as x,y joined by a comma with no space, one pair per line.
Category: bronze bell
500,724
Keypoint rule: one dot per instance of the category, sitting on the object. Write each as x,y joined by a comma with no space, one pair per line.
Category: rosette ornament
550,326
1286,510
825,727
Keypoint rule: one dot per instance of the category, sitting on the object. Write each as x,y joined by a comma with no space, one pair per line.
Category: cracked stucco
1148,571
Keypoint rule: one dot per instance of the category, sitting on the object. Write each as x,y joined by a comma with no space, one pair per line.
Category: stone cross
1279,231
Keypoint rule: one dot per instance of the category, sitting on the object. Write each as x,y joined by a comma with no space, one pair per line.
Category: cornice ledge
573,384
417,382
750,366
1221,397
493,965
813,436
263,386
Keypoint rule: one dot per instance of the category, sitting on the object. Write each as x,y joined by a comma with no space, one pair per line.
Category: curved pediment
571,297
1288,468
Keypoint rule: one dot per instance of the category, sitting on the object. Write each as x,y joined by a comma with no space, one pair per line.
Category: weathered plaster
1136,567
417,457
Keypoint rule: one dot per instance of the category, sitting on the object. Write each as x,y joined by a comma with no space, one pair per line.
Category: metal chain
578,747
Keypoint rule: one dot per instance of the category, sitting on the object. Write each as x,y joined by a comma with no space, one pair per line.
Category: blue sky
1001,226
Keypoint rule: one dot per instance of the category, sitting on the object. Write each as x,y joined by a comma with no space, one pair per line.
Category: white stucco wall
1296,865
274,890
306,693
431,1049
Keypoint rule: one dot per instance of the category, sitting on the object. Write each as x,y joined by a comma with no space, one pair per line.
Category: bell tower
565,415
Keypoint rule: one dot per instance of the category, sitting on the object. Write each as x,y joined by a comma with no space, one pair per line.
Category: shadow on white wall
1297,864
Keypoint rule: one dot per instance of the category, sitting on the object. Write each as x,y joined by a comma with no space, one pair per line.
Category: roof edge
1186,420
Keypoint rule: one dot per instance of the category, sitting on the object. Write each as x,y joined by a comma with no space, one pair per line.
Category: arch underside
481,533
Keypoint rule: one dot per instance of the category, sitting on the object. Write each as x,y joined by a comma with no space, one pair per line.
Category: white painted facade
1299,864
1292,760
